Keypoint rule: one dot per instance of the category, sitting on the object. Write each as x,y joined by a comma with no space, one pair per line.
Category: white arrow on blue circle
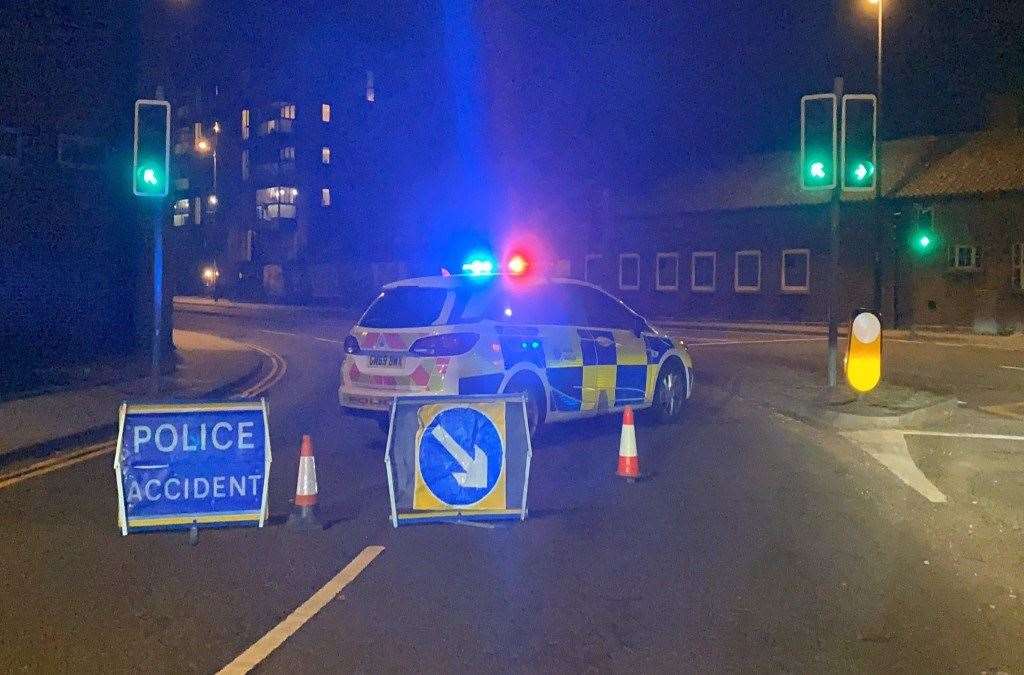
475,467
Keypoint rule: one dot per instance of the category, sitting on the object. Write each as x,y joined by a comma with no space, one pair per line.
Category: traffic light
818,142
151,154
923,237
859,145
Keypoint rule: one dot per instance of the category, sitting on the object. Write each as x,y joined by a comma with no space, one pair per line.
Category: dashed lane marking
1013,367
952,434
263,647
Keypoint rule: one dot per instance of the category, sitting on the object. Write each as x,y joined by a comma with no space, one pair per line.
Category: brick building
744,243
72,263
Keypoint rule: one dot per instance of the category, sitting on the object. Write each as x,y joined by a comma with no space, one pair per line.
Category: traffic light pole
158,296
833,269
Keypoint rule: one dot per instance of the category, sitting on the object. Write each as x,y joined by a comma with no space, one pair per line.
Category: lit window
276,202
964,258
181,212
1018,266
288,152
245,123
197,130
325,112
10,146
629,271
197,210
796,270
747,274
288,111
703,270
371,94
245,165
668,272
325,196
77,152
325,155
592,268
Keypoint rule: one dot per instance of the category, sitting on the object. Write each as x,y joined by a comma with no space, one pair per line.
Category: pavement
758,541
206,365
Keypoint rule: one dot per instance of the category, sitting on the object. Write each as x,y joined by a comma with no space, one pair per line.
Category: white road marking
889,447
277,332
753,342
331,340
262,648
950,434
1013,367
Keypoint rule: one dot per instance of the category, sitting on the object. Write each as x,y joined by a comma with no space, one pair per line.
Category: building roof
979,163
983,163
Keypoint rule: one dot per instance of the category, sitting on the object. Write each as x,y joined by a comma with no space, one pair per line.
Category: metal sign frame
804,100
455,401
126,409
874,145
167,145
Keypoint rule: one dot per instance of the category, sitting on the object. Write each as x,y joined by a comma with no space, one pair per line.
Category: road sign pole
158,296
833,271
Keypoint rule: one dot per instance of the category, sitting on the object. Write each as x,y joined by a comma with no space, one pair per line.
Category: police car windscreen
405,307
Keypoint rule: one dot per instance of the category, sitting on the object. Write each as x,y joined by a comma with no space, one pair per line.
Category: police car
569,347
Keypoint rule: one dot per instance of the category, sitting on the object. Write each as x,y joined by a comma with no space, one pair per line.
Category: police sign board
458,457
206,464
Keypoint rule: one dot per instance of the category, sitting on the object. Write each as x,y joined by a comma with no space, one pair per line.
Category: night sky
620,93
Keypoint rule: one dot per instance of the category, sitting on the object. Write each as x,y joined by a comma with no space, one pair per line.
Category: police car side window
602,311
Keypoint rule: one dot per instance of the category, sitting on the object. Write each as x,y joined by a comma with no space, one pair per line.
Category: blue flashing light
478,267
535,344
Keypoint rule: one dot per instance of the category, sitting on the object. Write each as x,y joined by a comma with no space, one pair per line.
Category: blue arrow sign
461,456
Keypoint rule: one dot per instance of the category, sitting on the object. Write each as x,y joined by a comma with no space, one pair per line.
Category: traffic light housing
923,239
151,155
859,149
818,116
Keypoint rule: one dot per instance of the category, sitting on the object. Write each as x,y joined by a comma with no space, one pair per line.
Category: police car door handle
604,341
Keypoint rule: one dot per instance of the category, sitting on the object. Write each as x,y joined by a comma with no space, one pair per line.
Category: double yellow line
278,368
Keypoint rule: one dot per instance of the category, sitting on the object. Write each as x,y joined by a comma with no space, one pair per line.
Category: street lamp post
879,211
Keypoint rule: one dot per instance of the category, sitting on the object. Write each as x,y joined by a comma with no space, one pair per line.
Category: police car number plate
386,360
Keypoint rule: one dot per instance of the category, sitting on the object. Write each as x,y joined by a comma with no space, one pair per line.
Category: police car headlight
448,344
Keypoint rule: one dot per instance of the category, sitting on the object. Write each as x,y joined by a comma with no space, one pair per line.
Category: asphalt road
754,543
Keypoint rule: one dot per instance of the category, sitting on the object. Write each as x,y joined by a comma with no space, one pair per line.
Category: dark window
79,153
748,271
602,310
592,269
405,307
9,149
543,304
703,271
629,271
796,270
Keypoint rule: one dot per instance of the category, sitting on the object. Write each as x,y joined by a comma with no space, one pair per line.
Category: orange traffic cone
303,516
629,463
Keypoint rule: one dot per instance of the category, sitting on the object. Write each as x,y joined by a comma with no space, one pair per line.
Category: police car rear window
405,307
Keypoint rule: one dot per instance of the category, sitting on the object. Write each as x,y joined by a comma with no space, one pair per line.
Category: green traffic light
924,241
817,170
862,171
149,177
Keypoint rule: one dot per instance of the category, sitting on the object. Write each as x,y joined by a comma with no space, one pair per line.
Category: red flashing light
517,265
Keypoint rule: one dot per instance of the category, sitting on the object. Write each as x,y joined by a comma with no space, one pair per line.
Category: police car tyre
525,383
670,392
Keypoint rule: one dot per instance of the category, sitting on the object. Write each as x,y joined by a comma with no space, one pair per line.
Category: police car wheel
534,401
670,393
